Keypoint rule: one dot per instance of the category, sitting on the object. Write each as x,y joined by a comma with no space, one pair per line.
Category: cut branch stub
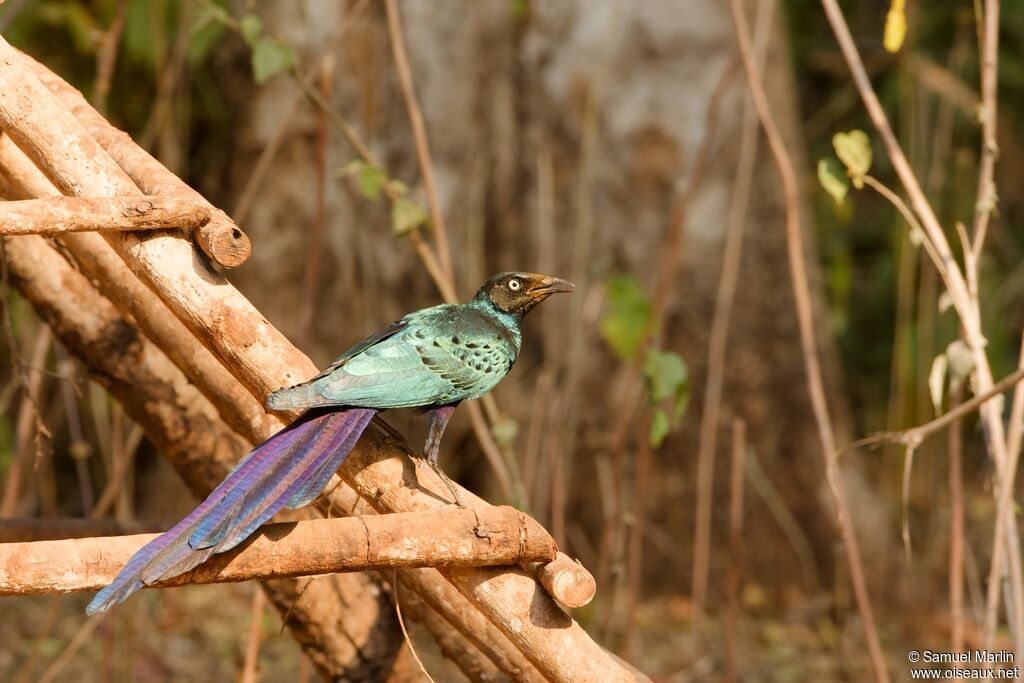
567,580
448,537
80,214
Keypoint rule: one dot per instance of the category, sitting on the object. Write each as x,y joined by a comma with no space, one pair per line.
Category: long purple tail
288,469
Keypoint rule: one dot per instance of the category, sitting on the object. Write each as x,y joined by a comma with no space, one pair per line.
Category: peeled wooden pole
470,660
80,214
249,346
453,608
219,237
244,413
113,278
567,579
322,546
219,316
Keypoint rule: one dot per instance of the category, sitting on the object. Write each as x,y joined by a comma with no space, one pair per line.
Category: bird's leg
438,421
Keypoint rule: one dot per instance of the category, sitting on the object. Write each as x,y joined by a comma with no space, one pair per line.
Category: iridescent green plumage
435,356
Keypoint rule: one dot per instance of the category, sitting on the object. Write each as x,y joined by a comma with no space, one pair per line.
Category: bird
430,360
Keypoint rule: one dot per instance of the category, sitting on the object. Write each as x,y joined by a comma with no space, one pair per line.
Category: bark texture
77,214
499,535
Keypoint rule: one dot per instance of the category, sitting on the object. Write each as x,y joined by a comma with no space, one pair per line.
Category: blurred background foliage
192,82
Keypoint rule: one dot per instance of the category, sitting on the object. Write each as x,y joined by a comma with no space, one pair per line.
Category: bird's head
518,293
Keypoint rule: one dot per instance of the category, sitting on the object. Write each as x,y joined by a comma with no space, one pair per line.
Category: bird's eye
514,285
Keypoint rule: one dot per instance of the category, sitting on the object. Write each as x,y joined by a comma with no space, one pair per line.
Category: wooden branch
220,238
79,214
915,435
551,639
456,537
263,360
96,258
222,319
355,639
246,415
566,578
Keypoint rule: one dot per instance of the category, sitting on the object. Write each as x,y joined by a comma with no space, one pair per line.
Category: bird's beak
546,286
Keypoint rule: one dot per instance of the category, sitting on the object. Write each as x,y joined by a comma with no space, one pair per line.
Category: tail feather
290,469
319,477
335,444
260,487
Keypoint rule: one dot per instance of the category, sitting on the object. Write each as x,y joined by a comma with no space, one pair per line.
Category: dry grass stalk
808,341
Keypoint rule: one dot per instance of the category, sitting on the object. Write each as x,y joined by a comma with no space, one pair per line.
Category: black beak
551,285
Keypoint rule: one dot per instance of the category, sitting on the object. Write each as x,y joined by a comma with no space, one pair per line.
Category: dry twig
419,130
719,335
808,342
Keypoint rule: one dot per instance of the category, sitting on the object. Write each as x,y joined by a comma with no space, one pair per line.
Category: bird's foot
459,500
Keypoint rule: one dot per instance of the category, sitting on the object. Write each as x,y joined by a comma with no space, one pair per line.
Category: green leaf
406,216
961,360
505,431
626,316
666,372
668,379
251,29
832,178
371,179
270,57
660,427
854,150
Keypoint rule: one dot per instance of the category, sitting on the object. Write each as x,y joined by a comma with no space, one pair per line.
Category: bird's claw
459,500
